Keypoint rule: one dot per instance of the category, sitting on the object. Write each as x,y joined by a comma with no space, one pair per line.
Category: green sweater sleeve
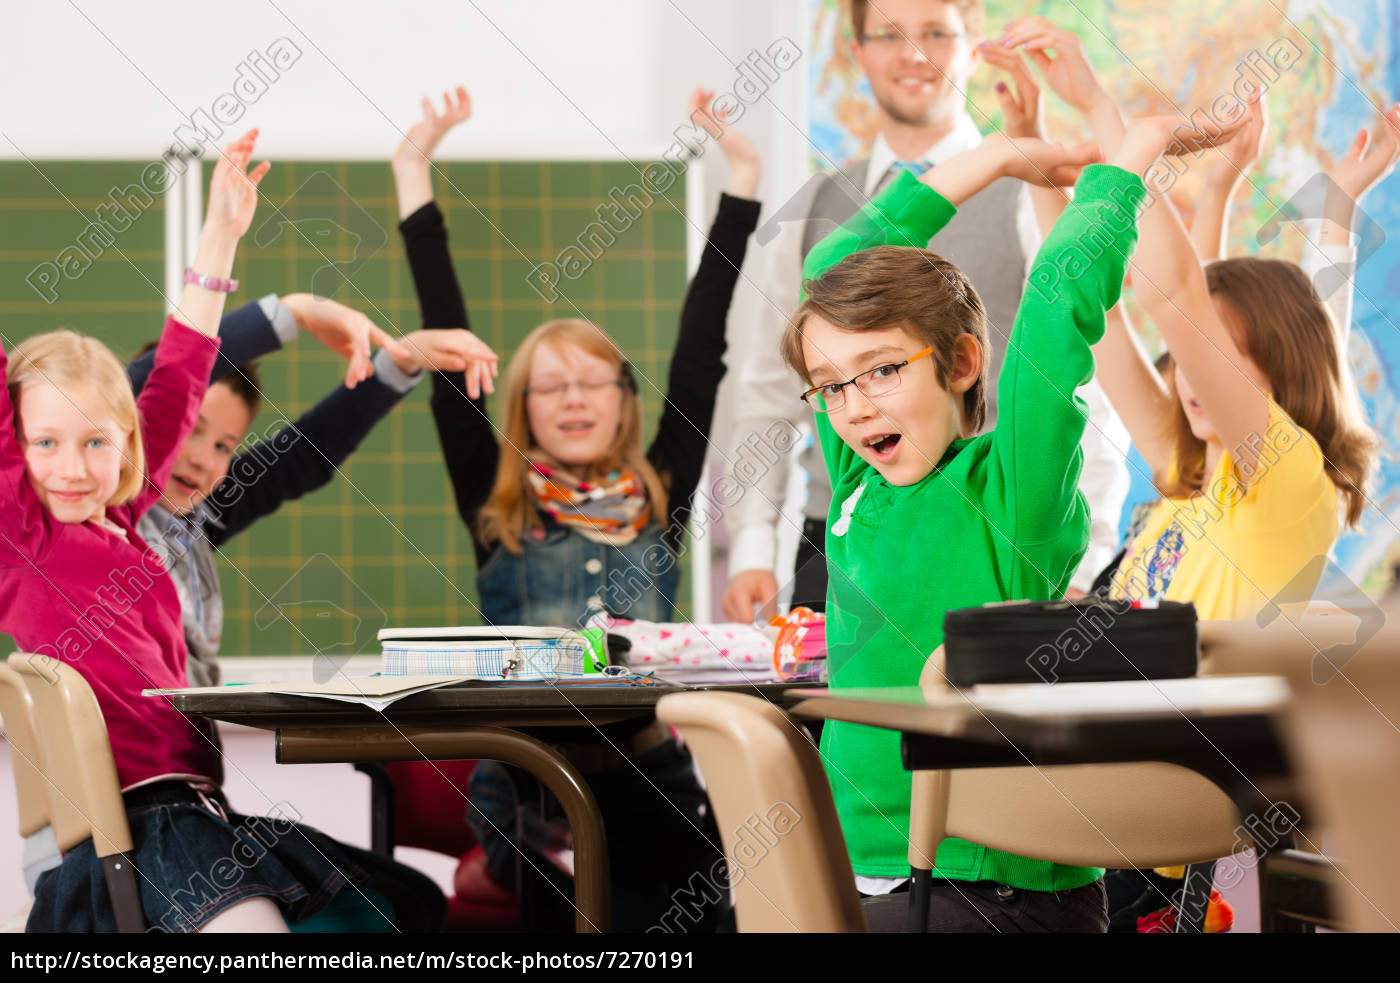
1035,460
907,213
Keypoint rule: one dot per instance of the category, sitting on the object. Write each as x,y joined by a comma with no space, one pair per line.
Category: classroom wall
551,79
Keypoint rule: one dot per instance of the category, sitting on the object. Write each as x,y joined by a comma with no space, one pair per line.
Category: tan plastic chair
1132,815
760,765
80,780
1342,734
31,790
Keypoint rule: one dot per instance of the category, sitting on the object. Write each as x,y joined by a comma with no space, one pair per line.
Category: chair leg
919,892
1194,900
1295,891
382,834
125,892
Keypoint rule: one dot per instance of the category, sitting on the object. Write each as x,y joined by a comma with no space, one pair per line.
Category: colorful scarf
612,512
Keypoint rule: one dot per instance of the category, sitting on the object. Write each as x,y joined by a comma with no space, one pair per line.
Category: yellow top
1235,549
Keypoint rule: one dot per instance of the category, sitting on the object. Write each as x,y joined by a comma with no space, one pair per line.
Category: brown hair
68,360
1280,322
974,15
510,510
244,381
899,287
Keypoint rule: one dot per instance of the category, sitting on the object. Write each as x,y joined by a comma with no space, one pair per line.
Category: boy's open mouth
186,484
883,445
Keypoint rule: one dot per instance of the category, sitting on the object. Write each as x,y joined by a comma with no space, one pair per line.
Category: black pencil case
1092,639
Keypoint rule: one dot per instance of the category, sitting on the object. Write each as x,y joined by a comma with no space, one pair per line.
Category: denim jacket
561,577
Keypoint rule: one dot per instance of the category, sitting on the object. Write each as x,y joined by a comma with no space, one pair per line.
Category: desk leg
389,743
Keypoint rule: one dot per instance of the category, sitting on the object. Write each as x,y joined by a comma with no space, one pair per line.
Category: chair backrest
31,790
1137,815
83,791
786,853
1340,730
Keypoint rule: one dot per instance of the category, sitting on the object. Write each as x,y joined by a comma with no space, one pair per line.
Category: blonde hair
1280,322
69,361
510,510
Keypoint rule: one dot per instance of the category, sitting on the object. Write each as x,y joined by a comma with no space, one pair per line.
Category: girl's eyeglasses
588,387
872,382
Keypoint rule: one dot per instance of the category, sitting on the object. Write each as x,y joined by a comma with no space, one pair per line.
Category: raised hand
1037,162
1149,137
1059,56
745,165
1234,159
423,137
450,350
1372,156
1046,164
1022,105
412,163
233,190
233,198
347,332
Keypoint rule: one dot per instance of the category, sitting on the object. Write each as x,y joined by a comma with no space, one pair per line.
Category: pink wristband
210,282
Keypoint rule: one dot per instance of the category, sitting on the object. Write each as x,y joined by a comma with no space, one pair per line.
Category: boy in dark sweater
215,491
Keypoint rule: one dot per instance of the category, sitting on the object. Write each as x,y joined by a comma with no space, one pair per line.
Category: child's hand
423,137
233,190
1234,159
450,350
1372,156
1023,107
1037,162
1067,72
1046,164
744,163
343,330
1150,137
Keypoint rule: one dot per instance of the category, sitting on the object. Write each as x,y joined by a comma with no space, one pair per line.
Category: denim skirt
193,859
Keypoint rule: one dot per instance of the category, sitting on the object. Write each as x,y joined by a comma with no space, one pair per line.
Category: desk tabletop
1052,712
497,704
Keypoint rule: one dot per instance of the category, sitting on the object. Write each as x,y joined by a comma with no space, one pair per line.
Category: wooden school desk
495,721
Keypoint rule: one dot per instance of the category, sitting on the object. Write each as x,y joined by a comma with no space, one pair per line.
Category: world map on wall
1329,68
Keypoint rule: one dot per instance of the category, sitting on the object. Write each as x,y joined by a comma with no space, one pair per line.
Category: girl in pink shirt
80,461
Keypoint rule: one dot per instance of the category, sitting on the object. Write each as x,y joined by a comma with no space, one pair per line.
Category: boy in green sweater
923,520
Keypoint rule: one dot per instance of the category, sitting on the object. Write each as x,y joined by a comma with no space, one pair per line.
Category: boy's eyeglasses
588,387
887,41
872,382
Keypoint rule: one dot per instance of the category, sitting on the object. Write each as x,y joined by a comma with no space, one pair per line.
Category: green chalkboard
382,544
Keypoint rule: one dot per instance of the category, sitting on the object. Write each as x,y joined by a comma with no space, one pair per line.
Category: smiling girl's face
573,402
74,450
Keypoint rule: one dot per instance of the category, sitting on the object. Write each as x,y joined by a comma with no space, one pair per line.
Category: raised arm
1210,226
1135,388
469,446
910,211
169,402
1023,115
1330,242
1171,284
1075,278
21,513
303,456
245,335
697,363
